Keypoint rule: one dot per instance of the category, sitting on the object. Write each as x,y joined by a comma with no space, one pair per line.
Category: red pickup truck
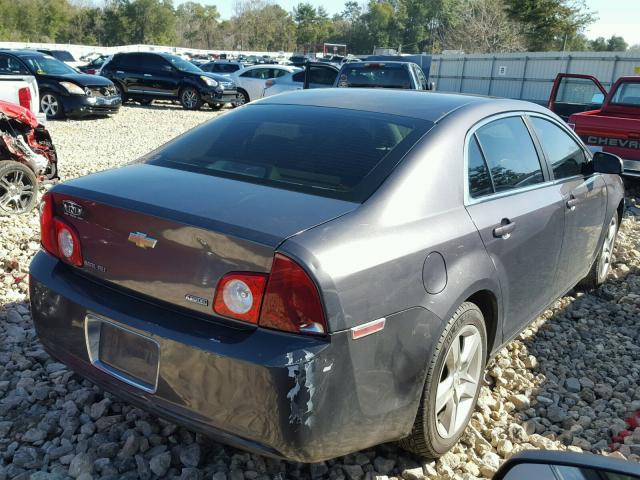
607,122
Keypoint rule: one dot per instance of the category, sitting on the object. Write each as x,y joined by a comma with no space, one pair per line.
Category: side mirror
550,465
604,162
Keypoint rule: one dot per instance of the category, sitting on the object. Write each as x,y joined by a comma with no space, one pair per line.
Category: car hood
82,79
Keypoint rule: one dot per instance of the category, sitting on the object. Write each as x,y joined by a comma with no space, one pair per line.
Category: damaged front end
27,158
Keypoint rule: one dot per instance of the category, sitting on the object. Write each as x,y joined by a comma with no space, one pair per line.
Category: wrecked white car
27,158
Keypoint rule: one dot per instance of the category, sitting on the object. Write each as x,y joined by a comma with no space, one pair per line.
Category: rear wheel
454,377
243,97
600,268
51,105
145,101
190,98
18,188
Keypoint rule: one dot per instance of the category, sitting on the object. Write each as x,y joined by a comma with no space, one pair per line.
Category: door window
478,173
129,61
510,154
298,77
627,94
12,66
153,62
261,73
322,76
563,153
579,90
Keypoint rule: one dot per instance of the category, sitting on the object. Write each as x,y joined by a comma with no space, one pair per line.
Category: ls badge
142,240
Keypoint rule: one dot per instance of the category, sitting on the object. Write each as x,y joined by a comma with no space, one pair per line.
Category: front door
584,195
519,215
572,93
159,77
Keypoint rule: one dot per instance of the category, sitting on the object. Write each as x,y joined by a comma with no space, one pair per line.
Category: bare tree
483,26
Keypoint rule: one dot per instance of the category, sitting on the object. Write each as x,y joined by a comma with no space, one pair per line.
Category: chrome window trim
468,199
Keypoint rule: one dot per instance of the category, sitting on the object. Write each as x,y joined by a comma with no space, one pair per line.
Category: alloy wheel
242,99
607,248
459,382
16,192
189,98
49,105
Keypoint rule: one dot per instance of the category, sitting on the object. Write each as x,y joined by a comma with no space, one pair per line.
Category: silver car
326,270
251,80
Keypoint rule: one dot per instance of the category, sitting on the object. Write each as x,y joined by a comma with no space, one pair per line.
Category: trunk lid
172,234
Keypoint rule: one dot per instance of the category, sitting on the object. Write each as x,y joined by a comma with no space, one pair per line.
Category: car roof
429,106
25,52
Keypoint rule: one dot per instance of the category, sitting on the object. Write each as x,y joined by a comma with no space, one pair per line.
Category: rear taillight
24,97
286,299
239,295
292,301
58,237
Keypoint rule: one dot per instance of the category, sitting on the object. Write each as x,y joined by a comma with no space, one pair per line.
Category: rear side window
510,154
479,178
566,157
331,152
375,75
11,66
298,77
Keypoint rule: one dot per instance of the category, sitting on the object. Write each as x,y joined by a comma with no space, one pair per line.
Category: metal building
527,76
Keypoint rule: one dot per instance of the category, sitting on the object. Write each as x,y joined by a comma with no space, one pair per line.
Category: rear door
584,197
253,81
573,93
519,214
127,70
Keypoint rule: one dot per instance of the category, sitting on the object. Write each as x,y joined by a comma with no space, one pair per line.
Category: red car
27,156
607,122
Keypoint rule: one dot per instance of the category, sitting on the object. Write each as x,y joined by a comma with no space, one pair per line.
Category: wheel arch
487,302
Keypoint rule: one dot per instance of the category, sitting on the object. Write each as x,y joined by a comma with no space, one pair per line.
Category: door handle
147,74
505,229
572,203
119,71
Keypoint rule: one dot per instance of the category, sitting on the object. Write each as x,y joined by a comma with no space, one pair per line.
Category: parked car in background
251,80
18,88
148,76
93,67
313,75
27,157
64,56
222,67
399,75
64,91
605,121
298,59
313,249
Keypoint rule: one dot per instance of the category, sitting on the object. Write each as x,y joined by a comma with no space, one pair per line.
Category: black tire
145,101
51,105
600,269
425,439
120,90
18,188
216,106
190,99
243,97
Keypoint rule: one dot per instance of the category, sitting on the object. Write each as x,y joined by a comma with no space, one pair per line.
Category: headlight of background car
209,81
73,88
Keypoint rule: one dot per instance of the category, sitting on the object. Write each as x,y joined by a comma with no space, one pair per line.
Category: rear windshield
331,152
374,75
63,55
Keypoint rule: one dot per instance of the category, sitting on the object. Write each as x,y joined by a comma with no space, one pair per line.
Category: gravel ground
570,381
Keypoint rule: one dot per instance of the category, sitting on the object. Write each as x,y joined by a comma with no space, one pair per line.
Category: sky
616,17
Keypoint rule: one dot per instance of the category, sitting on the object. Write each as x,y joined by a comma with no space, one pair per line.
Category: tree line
472,26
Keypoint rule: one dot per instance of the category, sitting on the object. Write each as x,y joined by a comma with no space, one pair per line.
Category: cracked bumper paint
295,397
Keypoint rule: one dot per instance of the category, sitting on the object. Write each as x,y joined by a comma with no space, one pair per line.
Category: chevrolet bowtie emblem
142,240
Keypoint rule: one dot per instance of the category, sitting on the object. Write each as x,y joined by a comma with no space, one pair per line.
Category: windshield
63,55
182,64
46,65
375,76
331,152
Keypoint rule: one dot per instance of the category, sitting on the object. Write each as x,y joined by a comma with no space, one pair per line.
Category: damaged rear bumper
289,396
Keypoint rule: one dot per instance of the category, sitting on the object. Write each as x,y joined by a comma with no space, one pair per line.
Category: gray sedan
326,270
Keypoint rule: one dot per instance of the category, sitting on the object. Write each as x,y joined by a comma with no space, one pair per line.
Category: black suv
145,77
63,91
